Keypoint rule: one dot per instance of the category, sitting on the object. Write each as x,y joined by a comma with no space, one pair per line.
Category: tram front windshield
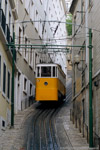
45,71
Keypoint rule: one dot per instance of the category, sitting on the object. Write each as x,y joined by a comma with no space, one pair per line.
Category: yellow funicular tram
50,82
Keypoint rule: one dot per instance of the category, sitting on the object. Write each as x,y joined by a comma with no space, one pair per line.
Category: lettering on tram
50,82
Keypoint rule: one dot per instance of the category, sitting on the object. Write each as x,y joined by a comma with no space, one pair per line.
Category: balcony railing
6,30
4,26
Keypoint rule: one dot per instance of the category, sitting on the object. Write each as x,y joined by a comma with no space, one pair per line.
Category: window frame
31,57
6,9
20,39
8,98
25,82
4,79
26,49
31,88
49,70
53,67
40,76
10,17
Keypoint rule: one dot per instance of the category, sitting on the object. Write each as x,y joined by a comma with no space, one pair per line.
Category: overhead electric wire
57,28
59,39
47,39
28,21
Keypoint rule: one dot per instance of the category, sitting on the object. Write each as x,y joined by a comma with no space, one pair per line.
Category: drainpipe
87,39
88,74
90,92
87,63
12,93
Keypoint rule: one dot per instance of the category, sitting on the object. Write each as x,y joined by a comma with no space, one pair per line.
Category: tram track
46,141
31,131
43,139
42,134
50,138
53,131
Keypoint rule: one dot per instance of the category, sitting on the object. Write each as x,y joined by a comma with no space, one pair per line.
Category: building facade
84,18
7,16
57,12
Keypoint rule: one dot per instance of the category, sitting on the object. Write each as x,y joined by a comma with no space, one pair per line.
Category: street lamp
77,61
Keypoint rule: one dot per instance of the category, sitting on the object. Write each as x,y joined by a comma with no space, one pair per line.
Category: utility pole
13,70
90,92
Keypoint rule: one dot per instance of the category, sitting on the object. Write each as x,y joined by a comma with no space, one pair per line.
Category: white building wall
38,11
53,11
56,11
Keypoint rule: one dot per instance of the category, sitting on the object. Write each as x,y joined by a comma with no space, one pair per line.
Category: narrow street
49,75
44,127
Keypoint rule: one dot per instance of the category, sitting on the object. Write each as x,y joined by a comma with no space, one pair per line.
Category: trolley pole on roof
12,91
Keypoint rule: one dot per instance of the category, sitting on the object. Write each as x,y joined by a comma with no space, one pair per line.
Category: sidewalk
12,139
75,139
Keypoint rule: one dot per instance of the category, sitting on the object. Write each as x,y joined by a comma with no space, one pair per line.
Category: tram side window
38,71
54,73
45,71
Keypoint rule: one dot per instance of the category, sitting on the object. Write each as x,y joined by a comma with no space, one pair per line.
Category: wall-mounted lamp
77,62
77,59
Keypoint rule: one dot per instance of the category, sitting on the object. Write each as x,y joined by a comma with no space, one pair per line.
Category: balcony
4,27
2,20
4,30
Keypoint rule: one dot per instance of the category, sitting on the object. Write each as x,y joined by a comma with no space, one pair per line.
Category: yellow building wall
4,103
